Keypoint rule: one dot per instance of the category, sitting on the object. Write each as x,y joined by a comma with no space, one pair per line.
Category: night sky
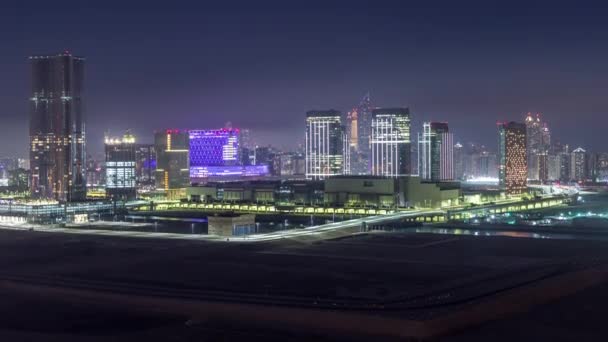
263,64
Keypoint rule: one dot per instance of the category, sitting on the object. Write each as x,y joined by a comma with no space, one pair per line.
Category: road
314,232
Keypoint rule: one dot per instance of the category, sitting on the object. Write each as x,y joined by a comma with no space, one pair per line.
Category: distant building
538,142
231,225
360,156
218,147
390,142
95,171
246,140
292,164
23,163
558,167
564,166
324,144
377,191
435,152
487,164
172,171
512,169
602,167
458,161
352,129
145,167
57,128
578,165
120,167
18,179
553,167
266,155
215,153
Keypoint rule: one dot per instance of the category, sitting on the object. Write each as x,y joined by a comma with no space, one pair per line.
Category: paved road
315,232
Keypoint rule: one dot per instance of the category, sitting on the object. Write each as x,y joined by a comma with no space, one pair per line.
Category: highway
311,232
337,226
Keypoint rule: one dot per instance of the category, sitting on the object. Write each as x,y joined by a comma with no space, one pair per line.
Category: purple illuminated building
215,153
202,172
218,147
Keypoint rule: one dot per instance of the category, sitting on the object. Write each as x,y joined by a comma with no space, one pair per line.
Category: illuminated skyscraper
352,129
390,142
458,161
172,170
57,128
538,141
424,152
145,167
436,152
578,165
512,169
120,167
216,153
324,144
360,157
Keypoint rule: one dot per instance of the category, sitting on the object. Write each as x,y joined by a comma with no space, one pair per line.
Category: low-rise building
349,191
231,225
407,191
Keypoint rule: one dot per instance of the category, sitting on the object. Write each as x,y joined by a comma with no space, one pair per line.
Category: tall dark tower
57,128
360,160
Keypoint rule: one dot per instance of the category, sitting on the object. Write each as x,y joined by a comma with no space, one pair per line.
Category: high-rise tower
436,152
512,169
390,142
57,127
360,158
325,141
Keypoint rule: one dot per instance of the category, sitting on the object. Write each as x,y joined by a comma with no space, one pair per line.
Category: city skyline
303,170
143,87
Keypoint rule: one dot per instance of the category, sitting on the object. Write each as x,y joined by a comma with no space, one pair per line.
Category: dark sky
263,64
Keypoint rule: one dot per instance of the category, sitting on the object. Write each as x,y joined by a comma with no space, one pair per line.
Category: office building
293,164
215,153
23,163
352,129
324,144
18,179
390,142
145,166
267,155
601,166
512,170
578,165
361,118
458,161
538,142
383,192
214,147
120,167
57,128
95,171
487,165
436,152
172,171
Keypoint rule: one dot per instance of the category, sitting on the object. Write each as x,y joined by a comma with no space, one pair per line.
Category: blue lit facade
199,172
215,153
214,147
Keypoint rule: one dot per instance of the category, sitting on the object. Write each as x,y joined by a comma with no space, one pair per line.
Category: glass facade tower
121,180
512,156
390,142
324,144
57,128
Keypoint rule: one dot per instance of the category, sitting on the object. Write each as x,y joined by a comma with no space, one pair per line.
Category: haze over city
262,65
303,171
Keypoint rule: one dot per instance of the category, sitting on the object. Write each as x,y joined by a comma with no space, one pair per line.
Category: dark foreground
56,287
